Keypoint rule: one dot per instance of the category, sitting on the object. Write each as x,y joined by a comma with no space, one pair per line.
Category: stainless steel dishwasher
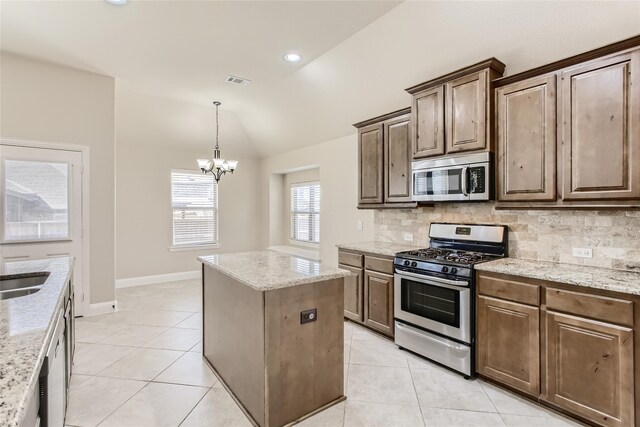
53,382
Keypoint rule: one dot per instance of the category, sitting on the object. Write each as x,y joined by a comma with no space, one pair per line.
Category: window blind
305,212
194,202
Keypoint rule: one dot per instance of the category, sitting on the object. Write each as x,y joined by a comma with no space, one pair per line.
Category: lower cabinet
570,349
378,301
368,294
508,345
590,369
353,291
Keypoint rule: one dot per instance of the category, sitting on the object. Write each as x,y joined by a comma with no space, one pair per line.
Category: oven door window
438,182
432,302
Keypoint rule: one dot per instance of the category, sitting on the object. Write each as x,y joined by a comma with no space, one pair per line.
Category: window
36,201
194,202
305,212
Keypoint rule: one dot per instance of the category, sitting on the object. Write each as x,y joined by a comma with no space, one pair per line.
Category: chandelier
217,166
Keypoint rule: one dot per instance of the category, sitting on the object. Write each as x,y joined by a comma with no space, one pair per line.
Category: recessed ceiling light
117,2
292,57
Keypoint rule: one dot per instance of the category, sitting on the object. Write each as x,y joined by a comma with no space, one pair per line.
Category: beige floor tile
363,414
89,359
134,335
435,417
77,380
190,369
176,339
194,321
95,332
330,417
380,384
509,403
167,318
196,348
440,388
142,364
156,405
347,352
216,409
547,421
376,353
94,399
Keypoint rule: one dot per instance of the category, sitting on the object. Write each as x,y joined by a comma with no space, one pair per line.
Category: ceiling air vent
238,80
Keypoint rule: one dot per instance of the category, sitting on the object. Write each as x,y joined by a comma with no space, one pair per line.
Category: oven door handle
436,281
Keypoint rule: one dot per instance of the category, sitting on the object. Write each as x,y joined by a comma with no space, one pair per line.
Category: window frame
193,246
293,240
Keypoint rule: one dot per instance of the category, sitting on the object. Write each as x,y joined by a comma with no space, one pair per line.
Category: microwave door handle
464,178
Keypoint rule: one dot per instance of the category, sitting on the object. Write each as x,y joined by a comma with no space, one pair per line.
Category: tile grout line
415,390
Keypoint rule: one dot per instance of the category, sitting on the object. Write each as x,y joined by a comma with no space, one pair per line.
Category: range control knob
414,264
406,263
454,270
445,269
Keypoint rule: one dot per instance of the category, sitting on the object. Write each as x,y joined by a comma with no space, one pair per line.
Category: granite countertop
378,248
267,270
627,282
26,325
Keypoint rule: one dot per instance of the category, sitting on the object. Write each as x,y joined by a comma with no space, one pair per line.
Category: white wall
337,163
45,102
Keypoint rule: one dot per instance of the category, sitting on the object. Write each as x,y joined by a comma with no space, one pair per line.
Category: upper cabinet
384,161
452,113
526,135
601,129
428,123
568,133
370,164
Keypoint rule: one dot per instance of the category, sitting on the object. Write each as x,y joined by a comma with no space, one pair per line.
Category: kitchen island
273,333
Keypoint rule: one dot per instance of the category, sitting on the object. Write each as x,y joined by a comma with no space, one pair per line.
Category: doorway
43,208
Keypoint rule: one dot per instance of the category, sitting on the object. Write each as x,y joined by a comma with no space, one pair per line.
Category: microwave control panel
477,179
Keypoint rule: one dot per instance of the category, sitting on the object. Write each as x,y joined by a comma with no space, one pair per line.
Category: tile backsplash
545,235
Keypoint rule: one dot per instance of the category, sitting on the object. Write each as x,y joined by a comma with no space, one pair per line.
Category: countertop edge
339,273
619,281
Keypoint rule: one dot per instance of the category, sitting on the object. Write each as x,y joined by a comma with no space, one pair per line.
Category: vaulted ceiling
170,58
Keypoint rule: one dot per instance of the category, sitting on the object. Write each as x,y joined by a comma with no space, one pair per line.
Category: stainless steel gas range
434,292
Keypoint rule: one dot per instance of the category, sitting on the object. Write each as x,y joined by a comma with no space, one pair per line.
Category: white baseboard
158,278
102,308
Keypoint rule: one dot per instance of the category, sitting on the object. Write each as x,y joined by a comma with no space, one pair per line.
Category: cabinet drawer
349,258
509,289
382,265
594,306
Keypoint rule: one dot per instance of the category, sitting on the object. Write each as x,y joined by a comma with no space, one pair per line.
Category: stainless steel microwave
464,177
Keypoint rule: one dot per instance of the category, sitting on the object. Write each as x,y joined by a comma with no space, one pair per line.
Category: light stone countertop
627,282
378,248
268,270
26,325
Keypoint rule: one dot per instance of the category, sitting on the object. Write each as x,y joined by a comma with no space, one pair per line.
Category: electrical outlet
360,226
408,237
583,252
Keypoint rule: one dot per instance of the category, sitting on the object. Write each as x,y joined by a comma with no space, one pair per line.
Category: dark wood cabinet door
370,164
397,160
427,123
466,113
378,301
353,294
526,127
508,343
589,369
601,129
